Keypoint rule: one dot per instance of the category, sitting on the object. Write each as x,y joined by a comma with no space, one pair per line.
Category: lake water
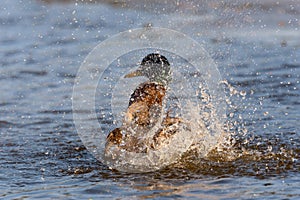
256,46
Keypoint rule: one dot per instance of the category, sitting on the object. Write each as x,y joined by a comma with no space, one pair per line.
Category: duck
145,111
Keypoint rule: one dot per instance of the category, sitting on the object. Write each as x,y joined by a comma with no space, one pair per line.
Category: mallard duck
145,109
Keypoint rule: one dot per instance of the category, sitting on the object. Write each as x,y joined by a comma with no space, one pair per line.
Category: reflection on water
256,47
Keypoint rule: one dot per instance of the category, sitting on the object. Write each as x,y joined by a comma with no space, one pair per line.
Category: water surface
257,49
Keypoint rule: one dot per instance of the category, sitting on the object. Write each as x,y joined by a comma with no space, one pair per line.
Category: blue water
255,45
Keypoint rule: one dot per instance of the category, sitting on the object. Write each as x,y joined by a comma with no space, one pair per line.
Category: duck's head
155,67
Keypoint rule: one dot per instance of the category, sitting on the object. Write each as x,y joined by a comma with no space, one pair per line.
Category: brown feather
114,137
145,101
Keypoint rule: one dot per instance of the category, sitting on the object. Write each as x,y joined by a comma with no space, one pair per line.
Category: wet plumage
145,109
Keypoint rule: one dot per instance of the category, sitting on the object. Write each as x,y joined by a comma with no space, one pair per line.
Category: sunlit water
257,49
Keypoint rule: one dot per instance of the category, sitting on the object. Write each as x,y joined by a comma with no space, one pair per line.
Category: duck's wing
170,127
127,142
114,138
143,113
137,114
145,104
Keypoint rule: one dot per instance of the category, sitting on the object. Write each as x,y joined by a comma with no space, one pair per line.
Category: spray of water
212,125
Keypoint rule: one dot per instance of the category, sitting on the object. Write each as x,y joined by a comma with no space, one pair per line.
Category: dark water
257,49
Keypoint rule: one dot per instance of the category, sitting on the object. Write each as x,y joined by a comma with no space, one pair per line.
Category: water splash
239,151
217,128
188,98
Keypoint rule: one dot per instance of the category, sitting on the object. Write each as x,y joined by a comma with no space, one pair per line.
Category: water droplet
243,93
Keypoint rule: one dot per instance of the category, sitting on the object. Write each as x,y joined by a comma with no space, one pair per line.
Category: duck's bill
133,74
